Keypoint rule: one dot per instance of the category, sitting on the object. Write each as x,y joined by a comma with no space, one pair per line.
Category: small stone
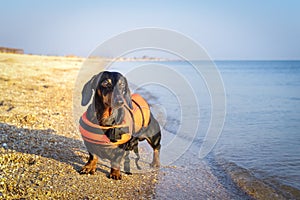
4,145
31,161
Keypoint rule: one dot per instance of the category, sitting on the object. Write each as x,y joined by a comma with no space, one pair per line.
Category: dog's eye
123,88
106,83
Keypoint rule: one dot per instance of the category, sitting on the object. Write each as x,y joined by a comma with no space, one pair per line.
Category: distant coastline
11,50
145,58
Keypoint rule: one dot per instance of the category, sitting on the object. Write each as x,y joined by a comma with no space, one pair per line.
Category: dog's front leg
91,166
115,172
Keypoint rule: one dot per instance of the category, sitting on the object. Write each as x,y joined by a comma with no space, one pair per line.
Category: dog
113,104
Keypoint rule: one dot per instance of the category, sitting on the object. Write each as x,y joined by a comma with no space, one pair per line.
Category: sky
227,30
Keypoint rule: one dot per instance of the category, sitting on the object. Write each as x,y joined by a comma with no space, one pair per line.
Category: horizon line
151,58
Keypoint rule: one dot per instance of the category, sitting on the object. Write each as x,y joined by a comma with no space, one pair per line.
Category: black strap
115,134
143,117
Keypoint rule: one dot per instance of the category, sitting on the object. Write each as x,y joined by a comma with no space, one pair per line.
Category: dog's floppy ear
127,97
88,88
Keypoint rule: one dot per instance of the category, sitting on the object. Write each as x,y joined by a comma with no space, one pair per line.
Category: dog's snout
119,101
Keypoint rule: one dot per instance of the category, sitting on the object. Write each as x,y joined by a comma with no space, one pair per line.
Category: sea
258,114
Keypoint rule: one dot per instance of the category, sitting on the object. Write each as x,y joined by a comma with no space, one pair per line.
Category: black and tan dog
114,123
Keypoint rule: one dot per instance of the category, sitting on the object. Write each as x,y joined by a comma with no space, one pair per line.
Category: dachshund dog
112,105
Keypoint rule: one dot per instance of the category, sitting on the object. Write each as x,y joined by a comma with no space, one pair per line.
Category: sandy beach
41,150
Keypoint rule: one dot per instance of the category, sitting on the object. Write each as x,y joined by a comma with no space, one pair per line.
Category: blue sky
230,29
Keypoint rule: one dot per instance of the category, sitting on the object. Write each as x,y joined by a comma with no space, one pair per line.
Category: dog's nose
119,101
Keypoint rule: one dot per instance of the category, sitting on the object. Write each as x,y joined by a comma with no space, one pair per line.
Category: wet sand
41,150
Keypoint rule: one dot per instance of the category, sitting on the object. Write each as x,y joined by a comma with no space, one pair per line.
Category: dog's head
111,90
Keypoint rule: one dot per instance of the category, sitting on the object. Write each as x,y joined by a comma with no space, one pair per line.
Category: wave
254,186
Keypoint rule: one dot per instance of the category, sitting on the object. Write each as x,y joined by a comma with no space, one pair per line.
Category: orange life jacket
137,118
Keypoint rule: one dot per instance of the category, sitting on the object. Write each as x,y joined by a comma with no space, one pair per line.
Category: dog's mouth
116,107
112,116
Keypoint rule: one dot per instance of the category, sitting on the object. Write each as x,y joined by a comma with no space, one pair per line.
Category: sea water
261,136
259,145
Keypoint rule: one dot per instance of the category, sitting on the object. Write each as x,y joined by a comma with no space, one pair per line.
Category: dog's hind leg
127,160
127,163
153,136
136,151
154,142
91,166
156,161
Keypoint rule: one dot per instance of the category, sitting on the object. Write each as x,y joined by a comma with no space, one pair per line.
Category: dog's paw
88,169
128,173
155,164
115,174
138,167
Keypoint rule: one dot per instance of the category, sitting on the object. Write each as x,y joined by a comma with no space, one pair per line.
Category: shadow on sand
43,143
